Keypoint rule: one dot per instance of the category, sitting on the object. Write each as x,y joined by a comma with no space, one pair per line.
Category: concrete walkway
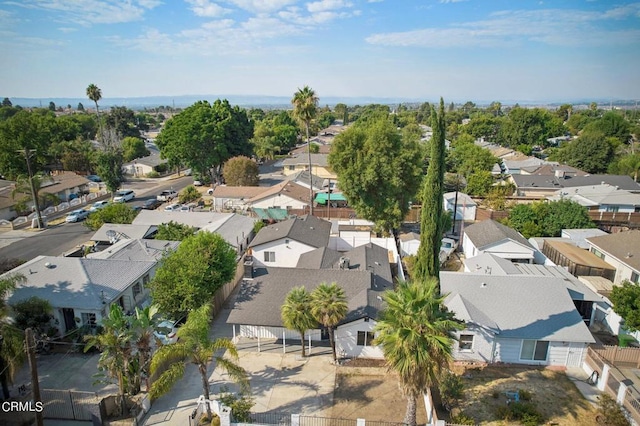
579,378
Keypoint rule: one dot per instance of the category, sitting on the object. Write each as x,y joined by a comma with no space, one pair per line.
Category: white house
409,244
602,198
81,290
620,250
234,197
282,243
516,320
492,237
285,195
465,207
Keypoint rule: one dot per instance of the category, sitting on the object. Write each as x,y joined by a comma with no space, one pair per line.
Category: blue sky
551,50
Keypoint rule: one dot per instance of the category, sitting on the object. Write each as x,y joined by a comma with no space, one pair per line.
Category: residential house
109,233
136,249
141,167
602,198
492,237
234,197
319,165
65,185
514,165
463,205
236,229
7,202
80,290
409,244
542,186
284,195
507,322
579,236
282,243
303,178
553,169
351,233
620,250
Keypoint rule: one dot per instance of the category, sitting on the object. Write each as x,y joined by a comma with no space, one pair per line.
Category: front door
574,354
69,319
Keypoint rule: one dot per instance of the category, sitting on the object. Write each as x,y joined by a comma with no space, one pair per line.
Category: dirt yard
371,394
552,393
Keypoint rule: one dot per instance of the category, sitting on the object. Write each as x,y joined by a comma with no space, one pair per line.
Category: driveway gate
69,405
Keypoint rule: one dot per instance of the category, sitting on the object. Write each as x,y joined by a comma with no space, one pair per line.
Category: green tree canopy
626,303
204,136
241,171
109,167
112,213
611,124
468,158
524,126
548,219
174,231
133,148
591,152
379,171
189,276
12,353
416,334
628,164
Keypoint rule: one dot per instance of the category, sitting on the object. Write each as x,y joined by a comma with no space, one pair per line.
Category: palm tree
416,335
305,109
195,346
12,354
24,186
296,312
143,325
329,307
95,94
116,350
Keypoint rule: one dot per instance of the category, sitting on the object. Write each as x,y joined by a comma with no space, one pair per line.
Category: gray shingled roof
72,282
303,177
150,250
306,229
540,181
123,230
258,301
522,307
624,246
234,229
321,160
320,258
490,232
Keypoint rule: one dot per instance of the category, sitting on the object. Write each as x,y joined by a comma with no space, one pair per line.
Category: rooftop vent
49,265
344,263
483,285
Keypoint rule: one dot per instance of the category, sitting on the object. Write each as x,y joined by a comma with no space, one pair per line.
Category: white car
123,196
98,205
167,195
197,182
447,247
172,208
76,216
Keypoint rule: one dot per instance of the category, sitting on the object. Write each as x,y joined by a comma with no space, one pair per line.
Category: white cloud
327,5
262,6
549,26
452,1
67,29
207,9
89,12
375,1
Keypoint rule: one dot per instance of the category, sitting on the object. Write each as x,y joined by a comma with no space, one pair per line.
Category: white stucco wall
482,346
287,255
347,339
623,271
409,248
510,250
280,201
466,213
468,248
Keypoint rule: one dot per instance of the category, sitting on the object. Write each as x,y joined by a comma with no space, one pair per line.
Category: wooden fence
619,357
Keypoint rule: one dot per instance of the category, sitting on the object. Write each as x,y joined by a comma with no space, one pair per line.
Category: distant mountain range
268,102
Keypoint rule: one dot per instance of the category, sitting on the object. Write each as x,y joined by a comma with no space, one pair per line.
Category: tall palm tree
195,346
296,312
305,109
95,94
144,324
25,185
329,307
12,354
415,333
115,345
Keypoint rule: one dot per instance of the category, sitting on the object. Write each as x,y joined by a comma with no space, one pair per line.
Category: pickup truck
167,195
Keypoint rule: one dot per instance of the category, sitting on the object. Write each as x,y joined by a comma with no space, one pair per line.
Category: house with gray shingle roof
81,290
507,322
282,243
622,251
493,237
255,312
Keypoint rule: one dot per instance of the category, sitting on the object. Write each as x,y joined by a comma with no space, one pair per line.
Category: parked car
172,208
151,204
123,196
166,331
98,205
77,216
197,182
94,178
167,195
447,247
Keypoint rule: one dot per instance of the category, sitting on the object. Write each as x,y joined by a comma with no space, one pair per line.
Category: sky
502,50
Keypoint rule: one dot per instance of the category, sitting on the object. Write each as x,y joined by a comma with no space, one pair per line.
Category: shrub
258,226
524,395
190,193
495,394
153,174
240,404
524,412
610,411
161,168
33,313
462,419
451,389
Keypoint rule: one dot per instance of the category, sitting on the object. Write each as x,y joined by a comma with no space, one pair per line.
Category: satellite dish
111,233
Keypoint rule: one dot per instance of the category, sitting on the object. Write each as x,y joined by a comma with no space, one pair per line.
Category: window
612,209
269,256
365,338
597,252
89,319
466,342
635,278
292,167
145,280
534,350
137,289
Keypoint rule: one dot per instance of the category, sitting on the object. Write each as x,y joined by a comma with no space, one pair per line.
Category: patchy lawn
552,393
372,395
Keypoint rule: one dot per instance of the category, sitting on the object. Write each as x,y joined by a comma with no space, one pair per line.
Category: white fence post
602,381
295,420
622,390
225,416
361,422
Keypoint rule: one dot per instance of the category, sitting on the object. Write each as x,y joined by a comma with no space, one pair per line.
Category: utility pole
30,343
27,154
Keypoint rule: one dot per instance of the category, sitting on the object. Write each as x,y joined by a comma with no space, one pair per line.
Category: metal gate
70,405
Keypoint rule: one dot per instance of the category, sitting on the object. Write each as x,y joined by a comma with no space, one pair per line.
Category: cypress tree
431,223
